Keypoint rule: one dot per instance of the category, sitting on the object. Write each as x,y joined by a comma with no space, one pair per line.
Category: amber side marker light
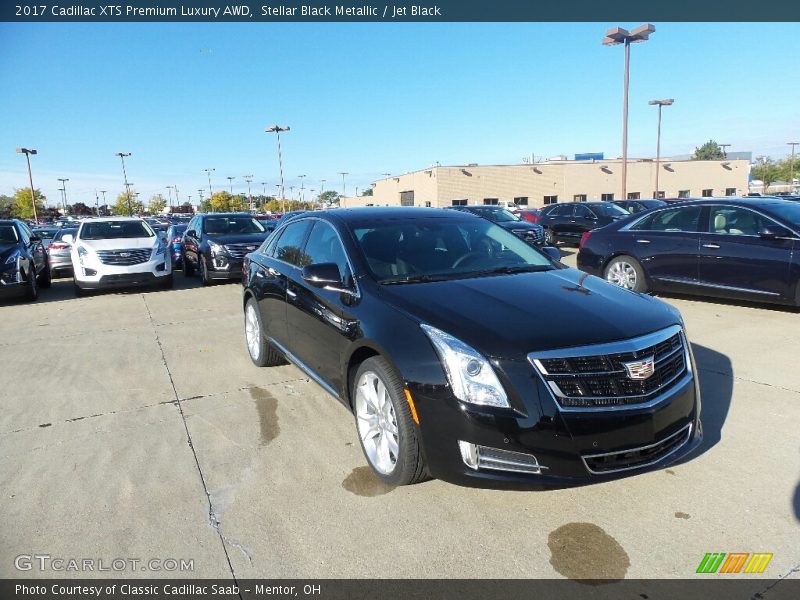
411,406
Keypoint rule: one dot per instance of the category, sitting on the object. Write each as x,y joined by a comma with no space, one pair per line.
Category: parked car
215,244
23,261
529,214
268,222
45,233
111,252
421,322
531,233
741,248
59,252
569,221
637,206
174,238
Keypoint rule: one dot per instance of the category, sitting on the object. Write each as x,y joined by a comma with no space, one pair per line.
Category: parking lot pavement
135,425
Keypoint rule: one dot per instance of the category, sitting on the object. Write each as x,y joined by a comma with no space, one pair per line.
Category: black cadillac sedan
528,231
24,267
745,249
567,222
427,324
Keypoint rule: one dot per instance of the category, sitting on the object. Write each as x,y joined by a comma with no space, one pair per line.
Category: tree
766,170
157,203
5,206
22,207
329,197
367,192
708,151
80,209
127,204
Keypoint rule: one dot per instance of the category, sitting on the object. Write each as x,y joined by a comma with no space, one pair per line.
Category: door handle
291,293
643,241
715,246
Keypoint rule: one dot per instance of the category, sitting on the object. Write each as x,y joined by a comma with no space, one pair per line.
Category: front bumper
60,264
94,275
221,266
565,444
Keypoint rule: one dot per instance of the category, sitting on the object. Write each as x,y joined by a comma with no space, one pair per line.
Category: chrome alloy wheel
623,274
377,423
252,331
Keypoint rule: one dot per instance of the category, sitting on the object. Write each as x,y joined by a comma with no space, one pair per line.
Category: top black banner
399,11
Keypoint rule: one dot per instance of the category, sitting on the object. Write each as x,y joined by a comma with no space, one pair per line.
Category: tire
548,237
46,278
188,268
382,413
626,272
32,293
205,279
261,352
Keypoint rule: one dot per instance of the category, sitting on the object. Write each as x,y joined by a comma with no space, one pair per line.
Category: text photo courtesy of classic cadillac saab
468,355
741,249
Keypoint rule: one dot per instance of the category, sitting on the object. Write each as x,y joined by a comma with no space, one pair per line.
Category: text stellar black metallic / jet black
468,355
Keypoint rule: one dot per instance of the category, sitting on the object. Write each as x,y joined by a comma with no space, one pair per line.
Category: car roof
106,219
227,214
349,215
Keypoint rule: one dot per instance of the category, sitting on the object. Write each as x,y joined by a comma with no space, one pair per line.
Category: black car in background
174,241
427,325
746,249
23,261
637,206
569,221
215,244
530,232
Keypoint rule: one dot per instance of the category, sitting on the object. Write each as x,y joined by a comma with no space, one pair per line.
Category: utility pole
277,129
122,156
344,187
27,152
791,165
248,179
64,190
302,187
659,103
208,171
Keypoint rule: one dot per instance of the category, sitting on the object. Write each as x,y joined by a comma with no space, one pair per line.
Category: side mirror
191,233
771,232
35,238
68,238
552,252
322,275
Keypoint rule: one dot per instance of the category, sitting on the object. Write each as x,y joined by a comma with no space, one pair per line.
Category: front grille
532,236
634,458
124,258
605,376
239,250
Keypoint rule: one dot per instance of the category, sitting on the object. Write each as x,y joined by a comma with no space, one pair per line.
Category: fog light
160,267
220,262
482,457
89,272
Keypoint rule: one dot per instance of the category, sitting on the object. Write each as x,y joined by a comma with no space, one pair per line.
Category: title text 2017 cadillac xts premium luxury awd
745,249
446,362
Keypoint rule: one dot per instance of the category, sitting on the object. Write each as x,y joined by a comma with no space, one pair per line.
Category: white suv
112,252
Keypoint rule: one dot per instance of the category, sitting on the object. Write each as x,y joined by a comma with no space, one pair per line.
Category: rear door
558,220
583,220
737,261
191,241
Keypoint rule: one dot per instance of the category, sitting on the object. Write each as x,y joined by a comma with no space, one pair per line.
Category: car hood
119,243
512,225
508,316
6,250
239,238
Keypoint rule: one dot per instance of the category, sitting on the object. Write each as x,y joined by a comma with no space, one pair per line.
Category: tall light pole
208,171
302,187
64,192
104,199
200,193
614,37
248,179
264,189
169,190
344,188
177,199
230,181
27,152
276,129
791,166
659,103
122,156
724,147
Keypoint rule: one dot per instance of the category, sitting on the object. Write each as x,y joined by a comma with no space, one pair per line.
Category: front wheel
32,293
385,428
626,272
261,352
548,237
188,267
205,278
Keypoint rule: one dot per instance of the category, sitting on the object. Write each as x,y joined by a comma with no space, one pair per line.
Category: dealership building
559,180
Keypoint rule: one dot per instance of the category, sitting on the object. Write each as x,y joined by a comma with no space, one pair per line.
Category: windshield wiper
507,270
414,279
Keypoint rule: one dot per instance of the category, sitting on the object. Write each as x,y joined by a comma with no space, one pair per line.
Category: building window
407,198
462,202
659,194
550,199
579,198
607,197
730,191
521,201
490,201
634,195
683,193
708,193
428,203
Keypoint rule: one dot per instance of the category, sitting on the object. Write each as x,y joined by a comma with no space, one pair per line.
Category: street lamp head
618,35
25,151
276,129
642,32
122,154
667,102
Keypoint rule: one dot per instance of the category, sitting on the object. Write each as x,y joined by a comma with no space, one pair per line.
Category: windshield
45,234
231,225
497,215
111,230
8,234
62,232
427,249
610,210
788,210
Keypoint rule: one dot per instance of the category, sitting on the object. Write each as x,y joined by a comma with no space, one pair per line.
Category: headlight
12,258
216,248
470,375
159,249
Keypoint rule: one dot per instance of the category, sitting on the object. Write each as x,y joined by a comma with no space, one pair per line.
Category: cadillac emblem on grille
640,369
124,254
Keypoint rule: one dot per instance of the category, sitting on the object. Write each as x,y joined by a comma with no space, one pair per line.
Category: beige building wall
566,179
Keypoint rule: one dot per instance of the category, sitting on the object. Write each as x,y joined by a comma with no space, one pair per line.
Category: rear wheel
261,352
45,279
32,293
626,272
548,237
385,428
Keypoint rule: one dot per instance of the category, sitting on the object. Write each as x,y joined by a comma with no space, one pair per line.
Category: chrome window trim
621,346
687,428
650,213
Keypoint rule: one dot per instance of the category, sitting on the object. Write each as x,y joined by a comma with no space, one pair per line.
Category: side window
564,210
582,212
324,246
289,247
735,221
24,233
686,218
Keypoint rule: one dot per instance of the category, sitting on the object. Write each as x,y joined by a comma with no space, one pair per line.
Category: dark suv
531,233
569,221
23,261
215,244
420,321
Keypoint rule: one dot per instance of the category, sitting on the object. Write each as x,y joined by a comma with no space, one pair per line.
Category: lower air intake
493,459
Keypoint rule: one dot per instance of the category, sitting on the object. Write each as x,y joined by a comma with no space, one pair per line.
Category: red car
529,214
